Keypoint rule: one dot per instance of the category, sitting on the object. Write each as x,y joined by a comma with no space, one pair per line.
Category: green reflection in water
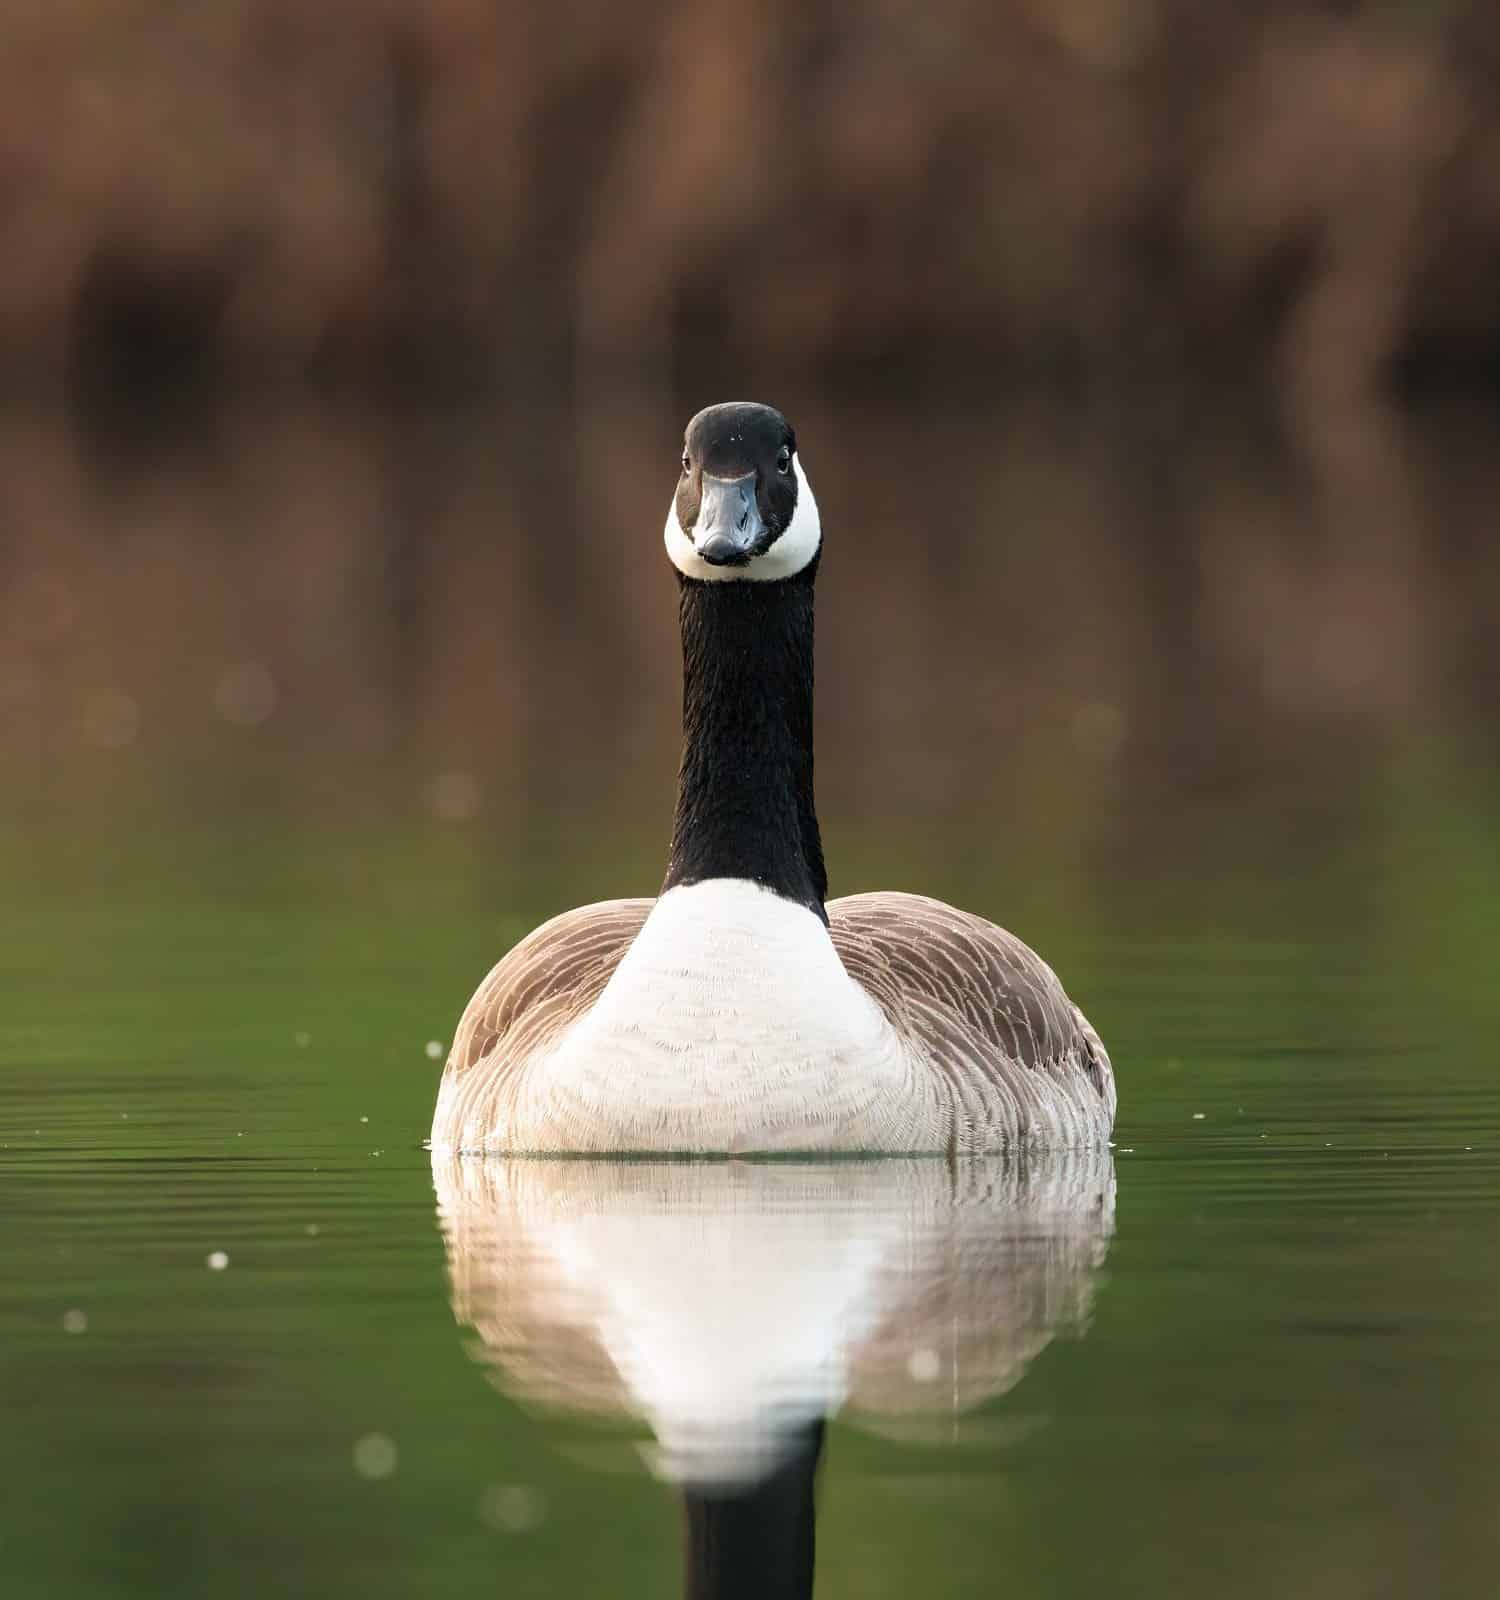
1287,1385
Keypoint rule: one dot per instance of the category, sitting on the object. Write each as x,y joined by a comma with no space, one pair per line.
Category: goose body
740,1011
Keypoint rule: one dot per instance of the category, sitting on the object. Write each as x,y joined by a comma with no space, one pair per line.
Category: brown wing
1018,1056
542,985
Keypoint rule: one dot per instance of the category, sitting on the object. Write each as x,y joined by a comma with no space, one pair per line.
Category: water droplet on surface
375,1456
512,1507
245,694
111,721
453,796
1098,730
924,1365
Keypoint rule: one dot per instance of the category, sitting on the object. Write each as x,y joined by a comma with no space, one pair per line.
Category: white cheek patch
789,555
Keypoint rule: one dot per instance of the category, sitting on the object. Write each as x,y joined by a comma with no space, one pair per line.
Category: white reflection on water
731,1304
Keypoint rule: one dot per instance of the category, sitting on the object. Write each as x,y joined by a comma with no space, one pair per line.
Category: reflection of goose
733,1306
738,1012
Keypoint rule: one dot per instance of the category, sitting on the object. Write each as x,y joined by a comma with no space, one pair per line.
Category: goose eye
784,459
687,466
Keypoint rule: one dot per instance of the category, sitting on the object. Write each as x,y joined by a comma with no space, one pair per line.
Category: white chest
729,1025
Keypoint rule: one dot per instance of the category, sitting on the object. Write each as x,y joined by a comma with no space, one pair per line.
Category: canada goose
738,1012
733,1306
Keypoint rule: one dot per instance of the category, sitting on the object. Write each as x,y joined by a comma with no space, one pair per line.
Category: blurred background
1145,356
1147,363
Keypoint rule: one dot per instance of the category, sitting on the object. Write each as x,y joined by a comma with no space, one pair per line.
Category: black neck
745,793
756,1543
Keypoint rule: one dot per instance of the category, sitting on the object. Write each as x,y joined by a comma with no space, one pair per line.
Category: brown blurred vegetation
583,221
1088,639
466,191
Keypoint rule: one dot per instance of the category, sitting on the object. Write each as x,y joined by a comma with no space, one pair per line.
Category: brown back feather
984,1008
545,983
982,1003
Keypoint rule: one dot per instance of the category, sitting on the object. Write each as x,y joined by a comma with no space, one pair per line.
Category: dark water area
306,717
1087,617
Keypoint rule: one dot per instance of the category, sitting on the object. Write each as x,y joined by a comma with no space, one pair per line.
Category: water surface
304,724
1265,1361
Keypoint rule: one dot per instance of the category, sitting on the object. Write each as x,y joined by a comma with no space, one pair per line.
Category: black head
743,507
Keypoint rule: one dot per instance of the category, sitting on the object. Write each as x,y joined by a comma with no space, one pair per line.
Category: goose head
743,508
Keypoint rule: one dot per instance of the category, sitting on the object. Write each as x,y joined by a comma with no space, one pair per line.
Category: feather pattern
532,995
989,1051
986,1015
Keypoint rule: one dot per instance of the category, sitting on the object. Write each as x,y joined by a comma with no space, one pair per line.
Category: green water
305,718
1281,1376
